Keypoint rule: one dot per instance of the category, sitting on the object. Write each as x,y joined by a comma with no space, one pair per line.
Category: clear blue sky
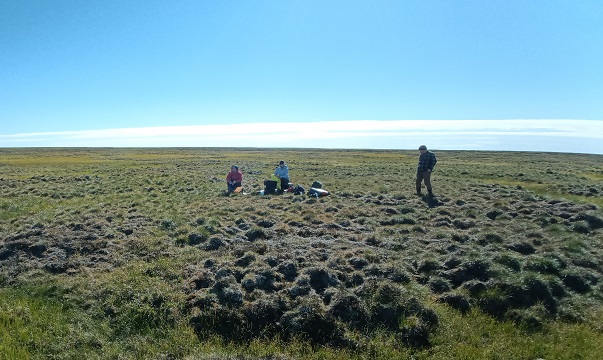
75,65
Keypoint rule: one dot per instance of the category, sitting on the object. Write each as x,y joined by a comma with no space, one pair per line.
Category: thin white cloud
535,135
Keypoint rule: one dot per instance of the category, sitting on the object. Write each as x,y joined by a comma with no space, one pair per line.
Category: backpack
298,190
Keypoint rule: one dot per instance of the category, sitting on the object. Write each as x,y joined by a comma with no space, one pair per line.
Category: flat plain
138,253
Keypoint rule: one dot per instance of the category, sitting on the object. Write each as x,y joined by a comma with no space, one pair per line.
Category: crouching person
234,179
282,173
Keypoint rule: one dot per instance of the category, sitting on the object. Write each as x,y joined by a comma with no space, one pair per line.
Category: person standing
234,179
282,172
427,161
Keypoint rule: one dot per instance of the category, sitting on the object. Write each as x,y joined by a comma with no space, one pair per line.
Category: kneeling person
282,172
234,179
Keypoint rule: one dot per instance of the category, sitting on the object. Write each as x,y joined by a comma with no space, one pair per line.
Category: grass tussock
138,253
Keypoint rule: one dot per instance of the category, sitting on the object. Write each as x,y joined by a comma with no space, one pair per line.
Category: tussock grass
137,253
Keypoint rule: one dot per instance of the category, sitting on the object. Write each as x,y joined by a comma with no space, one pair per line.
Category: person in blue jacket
282,172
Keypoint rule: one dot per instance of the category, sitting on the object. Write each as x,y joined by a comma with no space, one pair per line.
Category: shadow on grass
431,201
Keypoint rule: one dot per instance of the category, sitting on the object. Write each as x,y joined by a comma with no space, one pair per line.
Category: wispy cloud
525,135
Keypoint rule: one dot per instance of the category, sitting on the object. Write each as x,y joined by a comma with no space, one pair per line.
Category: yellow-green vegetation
138,253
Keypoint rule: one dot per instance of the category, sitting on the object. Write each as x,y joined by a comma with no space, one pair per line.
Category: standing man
427,161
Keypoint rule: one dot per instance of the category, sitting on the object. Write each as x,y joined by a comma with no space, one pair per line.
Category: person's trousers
232,188
424,176
284,184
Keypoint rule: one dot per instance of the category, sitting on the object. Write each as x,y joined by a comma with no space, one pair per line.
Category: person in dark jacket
427,161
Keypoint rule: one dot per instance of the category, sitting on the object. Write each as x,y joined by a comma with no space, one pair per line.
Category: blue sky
303,74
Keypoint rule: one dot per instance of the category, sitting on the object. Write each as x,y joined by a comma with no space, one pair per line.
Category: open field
137,253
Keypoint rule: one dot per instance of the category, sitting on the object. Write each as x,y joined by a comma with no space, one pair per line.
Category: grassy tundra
137,253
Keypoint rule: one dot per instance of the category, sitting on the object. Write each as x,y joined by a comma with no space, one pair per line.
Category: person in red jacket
234,179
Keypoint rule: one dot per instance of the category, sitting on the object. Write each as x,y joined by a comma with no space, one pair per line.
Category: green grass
112,253
476,336
36,323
